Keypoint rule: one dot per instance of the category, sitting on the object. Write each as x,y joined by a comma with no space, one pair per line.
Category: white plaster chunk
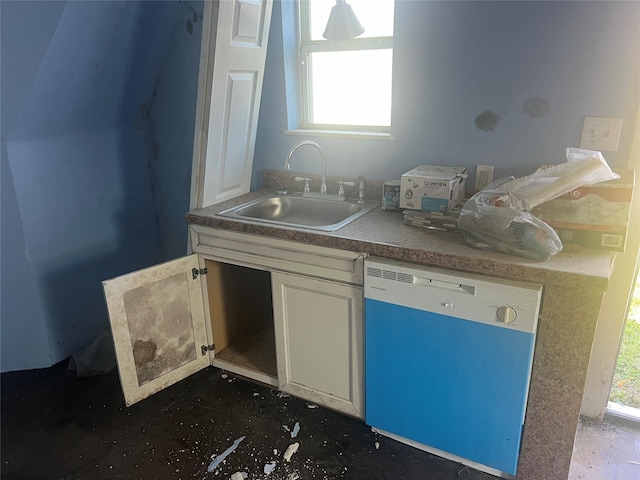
291,449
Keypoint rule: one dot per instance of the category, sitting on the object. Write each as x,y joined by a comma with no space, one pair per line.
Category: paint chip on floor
296,430
219,458
268,467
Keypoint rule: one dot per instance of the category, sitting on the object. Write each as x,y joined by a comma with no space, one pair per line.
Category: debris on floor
268,467
291,449
219,458
174,433
296,430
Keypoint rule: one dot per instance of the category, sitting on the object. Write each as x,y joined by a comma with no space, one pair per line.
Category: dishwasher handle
450,286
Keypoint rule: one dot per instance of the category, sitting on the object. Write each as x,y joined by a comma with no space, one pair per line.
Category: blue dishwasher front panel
455,385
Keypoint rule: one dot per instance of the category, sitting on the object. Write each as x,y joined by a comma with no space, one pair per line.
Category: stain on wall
169,124
487,121
536,107
195,16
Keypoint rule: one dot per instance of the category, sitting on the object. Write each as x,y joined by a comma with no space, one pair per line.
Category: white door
232,70
319,341
159,328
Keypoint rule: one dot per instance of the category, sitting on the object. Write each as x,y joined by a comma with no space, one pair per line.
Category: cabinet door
319,332
234,50
158,323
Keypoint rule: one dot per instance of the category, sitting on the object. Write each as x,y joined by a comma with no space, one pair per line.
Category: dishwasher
447,361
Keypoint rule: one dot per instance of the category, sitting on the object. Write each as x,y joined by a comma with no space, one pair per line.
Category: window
346,85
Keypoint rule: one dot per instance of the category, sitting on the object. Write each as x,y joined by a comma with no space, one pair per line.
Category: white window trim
320,132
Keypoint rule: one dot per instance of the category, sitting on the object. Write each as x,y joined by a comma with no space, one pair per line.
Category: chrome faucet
287,164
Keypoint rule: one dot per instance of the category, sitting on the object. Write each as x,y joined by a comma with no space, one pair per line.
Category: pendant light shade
343,23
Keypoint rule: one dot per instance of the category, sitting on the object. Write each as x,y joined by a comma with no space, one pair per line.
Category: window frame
306,47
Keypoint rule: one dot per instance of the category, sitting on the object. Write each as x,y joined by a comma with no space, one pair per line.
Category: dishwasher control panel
499,302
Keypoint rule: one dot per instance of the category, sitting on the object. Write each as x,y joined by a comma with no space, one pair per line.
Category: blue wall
98,104
96,137
455,60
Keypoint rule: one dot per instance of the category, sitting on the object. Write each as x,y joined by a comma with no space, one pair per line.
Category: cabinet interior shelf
256,352
242,316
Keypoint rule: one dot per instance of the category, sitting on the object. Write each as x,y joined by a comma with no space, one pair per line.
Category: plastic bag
97,358
498,216
491,220
583,167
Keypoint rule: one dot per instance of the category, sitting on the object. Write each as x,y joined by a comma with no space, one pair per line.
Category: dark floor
58,426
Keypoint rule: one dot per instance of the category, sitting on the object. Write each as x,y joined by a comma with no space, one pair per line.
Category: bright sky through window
349,82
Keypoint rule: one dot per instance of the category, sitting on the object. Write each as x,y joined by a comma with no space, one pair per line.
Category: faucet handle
361,185
306,181
342,183
348,184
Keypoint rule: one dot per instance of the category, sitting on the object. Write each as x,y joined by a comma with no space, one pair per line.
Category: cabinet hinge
198,271
207,348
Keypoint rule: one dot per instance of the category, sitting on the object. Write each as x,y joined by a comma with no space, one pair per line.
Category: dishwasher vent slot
389,275
405,278
374,272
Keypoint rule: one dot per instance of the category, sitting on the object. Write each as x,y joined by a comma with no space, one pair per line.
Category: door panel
158,323
232,89
319,335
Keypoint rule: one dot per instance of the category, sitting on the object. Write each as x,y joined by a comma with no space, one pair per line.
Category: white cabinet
276,311
319,330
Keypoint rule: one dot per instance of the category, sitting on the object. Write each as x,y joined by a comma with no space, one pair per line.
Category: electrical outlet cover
484,176
601,133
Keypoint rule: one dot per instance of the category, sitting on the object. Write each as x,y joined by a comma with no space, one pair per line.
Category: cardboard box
592,216
432,188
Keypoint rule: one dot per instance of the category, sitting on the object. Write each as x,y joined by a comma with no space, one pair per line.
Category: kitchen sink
299,211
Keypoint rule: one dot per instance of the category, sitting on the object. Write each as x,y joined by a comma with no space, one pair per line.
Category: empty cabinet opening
241,308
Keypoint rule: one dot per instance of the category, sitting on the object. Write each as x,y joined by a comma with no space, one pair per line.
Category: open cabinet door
159,328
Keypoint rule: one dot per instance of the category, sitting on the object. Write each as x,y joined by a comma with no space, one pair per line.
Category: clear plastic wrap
498,217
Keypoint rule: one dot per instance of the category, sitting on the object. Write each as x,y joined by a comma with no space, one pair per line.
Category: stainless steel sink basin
298,211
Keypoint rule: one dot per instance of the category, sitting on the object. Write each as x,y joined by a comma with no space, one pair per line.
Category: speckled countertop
382,233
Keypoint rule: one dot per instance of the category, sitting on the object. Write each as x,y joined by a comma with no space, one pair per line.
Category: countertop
383,233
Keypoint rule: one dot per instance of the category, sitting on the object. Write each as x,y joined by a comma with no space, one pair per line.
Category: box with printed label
432,188
592,216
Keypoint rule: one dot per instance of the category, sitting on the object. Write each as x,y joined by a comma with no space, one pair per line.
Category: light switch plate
601,133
